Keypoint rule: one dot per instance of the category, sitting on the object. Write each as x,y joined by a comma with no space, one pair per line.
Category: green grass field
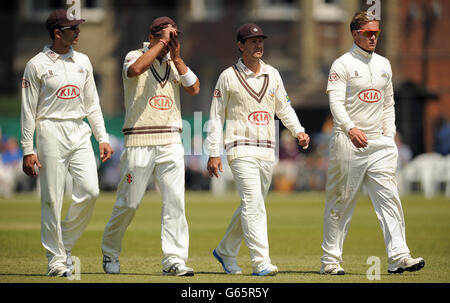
295,235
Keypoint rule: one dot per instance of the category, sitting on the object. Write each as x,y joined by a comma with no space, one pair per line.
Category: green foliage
9,106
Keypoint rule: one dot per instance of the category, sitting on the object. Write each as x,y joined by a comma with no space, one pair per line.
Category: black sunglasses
72,28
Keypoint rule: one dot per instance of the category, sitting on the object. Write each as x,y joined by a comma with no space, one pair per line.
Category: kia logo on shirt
370,95
161,102
68,92
259,118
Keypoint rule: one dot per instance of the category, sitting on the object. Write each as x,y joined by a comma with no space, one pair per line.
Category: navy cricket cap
160,23
59,18
249,30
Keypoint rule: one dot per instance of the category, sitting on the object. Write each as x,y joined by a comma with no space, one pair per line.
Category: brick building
305,37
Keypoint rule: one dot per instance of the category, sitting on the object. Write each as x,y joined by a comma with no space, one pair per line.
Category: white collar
242,67
359,51
54,56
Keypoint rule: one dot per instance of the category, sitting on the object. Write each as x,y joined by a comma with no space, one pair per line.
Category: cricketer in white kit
246,98
362,150
152,77
58,92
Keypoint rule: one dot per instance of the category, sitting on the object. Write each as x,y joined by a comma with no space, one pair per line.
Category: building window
38,10
206,10
275,10
328,11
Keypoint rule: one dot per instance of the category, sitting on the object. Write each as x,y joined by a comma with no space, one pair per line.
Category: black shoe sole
412,268
416,267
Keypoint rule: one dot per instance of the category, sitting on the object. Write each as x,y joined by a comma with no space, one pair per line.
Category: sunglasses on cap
369,32
72,28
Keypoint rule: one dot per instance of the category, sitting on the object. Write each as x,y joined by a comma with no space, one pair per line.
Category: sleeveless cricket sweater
152,104
250,111
247,104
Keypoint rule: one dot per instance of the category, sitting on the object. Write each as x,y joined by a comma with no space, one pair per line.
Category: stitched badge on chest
50,74
272,92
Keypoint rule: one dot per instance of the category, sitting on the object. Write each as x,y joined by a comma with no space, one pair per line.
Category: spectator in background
285,171
11,177
196,175
109,173
443,137
404,156
404,152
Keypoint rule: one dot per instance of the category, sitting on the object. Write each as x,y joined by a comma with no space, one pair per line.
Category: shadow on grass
24,275
290,272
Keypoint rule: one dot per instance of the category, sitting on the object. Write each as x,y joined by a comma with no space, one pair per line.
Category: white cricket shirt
361,94
59,87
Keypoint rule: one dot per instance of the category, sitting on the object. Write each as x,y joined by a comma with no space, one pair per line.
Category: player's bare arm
174,48
303,140
214,166
358,137
28,163
105,151
157,45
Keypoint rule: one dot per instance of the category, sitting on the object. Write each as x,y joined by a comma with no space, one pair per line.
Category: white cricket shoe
69,261
111,265
229,265
408,264
266,269
332,269
178,269
59,271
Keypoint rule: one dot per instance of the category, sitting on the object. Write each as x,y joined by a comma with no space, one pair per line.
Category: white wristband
189,78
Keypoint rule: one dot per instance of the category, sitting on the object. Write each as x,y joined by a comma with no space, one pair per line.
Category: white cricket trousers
350,168
65,146
249,222
137,165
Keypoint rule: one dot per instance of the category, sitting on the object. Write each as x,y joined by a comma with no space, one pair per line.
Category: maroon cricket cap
160,23
249,30
59,18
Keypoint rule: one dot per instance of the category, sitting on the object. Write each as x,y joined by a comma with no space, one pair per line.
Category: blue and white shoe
229,265
266,270
111,265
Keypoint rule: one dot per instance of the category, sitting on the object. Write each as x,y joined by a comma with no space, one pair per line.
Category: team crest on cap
255,29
